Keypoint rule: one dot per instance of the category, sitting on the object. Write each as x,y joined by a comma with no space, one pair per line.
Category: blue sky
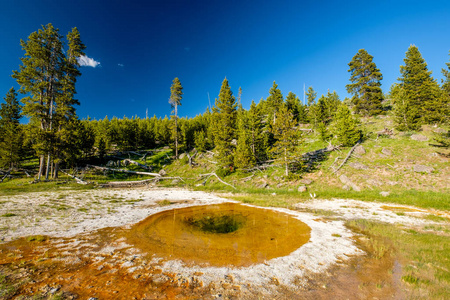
141,46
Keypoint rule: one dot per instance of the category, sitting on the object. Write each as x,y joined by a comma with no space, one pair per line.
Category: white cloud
85,61
120,65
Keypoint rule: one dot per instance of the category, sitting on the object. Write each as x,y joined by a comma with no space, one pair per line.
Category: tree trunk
286,163
176,131
55,175
41,166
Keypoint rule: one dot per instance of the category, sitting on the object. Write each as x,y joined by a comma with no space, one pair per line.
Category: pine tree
346,127
200,140
293,104
366,84
286,138
446,80
273,103
176,92
421,90
445,97
48,76
259,139
225,120
406,115
311,96
244,157
11,135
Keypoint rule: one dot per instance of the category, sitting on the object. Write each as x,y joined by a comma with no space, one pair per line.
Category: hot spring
226,234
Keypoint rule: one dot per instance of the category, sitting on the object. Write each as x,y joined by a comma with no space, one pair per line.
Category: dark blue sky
142,45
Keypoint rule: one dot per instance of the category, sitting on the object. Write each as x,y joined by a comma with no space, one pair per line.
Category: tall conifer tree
273,103
225,119
366,84
286,138
176,92
11,135
48,75
421,91
346,127
311,96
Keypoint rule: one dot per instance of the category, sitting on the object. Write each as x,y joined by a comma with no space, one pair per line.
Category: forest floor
67,245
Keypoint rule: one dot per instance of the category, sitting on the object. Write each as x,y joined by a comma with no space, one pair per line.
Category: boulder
346,181
358,166
176,181
419,137
162,172
182,155
374,182
423,169
384,194
386,151
302,189
306,181
263,185
359,150
439,130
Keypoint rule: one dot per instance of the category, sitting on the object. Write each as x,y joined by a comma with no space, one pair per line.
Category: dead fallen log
78,180
214,174
138,182
348,156
123,171
137,164
191,157
7,173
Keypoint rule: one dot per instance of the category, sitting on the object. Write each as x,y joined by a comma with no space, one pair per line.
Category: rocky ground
85,257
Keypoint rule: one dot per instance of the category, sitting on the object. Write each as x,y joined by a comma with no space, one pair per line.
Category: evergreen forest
271,132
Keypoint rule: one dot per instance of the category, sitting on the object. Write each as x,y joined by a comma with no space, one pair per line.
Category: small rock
419,137
358,166
176,181
162,172
182,155
346,187
374,182
359,150
439,130
384,194
263,185
386,151
159,279
302,189
346,181
306,181
423,169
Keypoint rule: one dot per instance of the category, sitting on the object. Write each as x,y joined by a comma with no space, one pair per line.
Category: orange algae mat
227,234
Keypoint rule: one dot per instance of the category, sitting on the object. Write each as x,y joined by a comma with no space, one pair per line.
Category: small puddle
226,234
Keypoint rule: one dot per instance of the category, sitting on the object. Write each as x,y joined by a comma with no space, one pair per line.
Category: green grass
7,215
425,257
36,238
23,185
